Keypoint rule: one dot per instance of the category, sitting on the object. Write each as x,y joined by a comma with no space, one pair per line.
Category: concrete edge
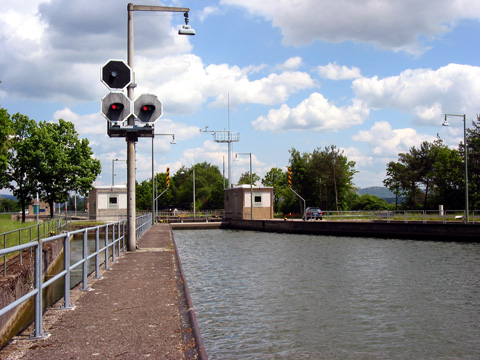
187,311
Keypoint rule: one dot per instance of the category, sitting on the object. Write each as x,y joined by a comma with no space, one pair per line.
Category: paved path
134,312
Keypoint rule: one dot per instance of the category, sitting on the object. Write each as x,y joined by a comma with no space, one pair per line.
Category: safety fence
28,234
449,216
112,244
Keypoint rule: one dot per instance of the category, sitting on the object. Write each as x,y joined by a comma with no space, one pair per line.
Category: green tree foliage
473,162
47,158
427,176
5,142
282,196
323,178
64,163
369,202
245,178
144,193
208,189
21,174
8,205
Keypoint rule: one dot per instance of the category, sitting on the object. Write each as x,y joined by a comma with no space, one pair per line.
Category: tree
473,162
324,177
277,179
6,132
245,178
208,187
430,171
21,174
63,162
369,202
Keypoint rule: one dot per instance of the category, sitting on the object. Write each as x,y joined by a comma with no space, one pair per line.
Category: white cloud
187,83
394,25
292,63
207,11
388,143
333,71
314,114
426,93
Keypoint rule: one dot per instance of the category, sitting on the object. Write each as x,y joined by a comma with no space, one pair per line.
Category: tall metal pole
251,188
131,232
445,123
153,182
466,167
194,192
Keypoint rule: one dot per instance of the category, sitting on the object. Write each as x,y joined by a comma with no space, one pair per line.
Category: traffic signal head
116,107
147,109
116,75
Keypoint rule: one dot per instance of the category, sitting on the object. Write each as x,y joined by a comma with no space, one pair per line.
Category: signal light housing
116,108
147,109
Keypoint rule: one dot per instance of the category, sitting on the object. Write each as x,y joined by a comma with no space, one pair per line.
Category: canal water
280,296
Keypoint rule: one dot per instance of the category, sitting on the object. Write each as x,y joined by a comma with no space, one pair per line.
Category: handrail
116,244
28,235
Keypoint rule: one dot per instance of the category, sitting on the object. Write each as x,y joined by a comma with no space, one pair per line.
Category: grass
7,224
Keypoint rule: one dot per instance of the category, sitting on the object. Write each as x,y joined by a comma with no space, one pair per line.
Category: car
313,213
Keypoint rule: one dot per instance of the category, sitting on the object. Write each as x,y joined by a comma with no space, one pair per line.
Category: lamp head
445,122
186,29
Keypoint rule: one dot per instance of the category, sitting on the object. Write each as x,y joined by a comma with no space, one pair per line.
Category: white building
108,203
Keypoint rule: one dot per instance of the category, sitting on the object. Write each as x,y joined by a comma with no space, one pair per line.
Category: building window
257,199
112,202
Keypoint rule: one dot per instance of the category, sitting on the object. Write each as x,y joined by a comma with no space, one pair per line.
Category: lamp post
225,136
131,137
251,182
113,169
153,173
193,168
445,123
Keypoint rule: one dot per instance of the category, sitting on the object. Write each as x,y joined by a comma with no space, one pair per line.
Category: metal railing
28,234
114,243
143,223
449,216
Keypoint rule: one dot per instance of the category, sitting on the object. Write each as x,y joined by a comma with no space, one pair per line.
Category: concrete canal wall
395,230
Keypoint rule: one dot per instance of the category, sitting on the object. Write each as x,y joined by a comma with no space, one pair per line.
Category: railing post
66,265
97,254
85,262
38,331
106,246
20,243
113,243
119,238
5,256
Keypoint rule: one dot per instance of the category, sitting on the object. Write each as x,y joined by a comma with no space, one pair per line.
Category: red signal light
114,107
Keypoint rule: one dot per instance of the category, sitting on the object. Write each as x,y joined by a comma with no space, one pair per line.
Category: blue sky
371,77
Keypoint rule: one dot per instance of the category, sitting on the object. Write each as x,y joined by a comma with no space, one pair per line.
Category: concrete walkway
137,310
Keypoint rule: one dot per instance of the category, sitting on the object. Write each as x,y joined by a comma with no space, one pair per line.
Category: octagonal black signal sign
116,107
116,75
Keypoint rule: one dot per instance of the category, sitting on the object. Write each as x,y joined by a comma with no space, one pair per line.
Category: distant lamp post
183,172
445,123
251,182
154,207
113,169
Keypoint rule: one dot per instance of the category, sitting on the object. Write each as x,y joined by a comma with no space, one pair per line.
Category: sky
372,77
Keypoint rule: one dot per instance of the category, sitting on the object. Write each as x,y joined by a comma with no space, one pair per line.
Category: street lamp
183,172
173,142
132,137
251,181
113,169
445,123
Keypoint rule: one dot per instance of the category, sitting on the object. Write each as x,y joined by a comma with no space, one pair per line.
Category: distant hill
379,191
9,197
